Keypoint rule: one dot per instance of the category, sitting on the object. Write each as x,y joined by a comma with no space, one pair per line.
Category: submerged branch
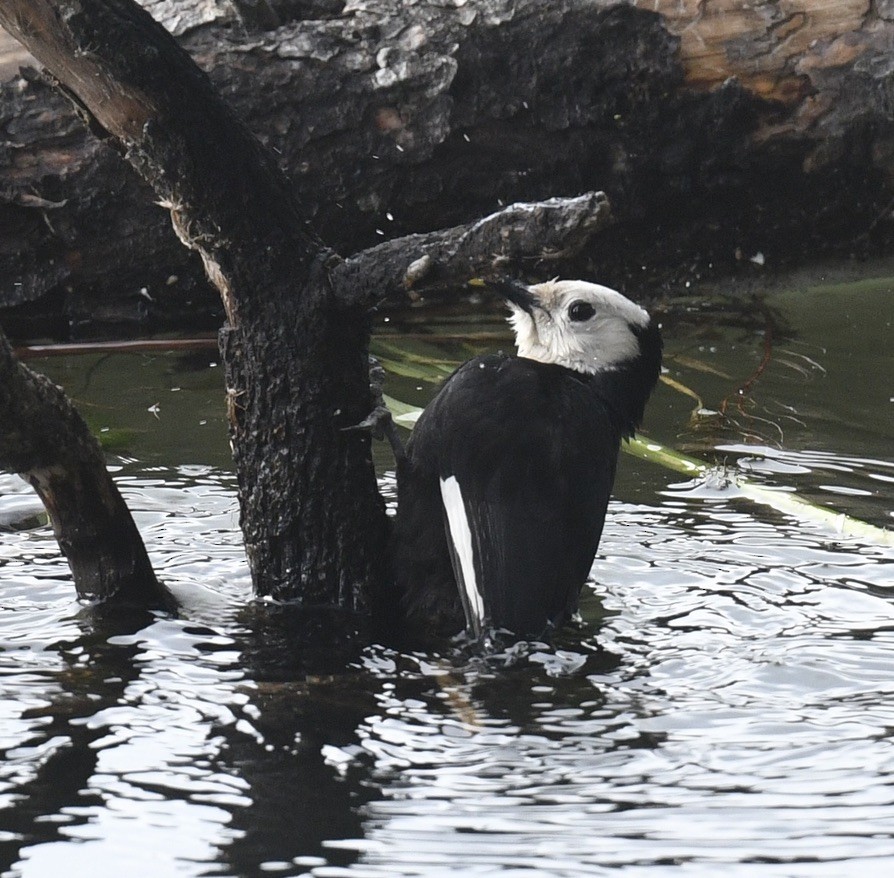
47,442
142,345
779,499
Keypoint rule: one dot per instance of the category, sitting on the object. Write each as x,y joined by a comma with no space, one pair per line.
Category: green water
725,708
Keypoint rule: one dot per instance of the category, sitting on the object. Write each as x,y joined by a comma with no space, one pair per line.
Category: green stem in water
781,500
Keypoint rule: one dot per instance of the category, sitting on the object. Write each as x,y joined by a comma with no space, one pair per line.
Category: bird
504,484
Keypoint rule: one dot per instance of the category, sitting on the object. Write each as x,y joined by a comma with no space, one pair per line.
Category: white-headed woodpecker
503,490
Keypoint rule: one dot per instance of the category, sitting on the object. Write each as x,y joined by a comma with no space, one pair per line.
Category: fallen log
718,130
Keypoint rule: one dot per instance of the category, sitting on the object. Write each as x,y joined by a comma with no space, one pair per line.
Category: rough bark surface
295,343
45,440
504,242
714,127
296,360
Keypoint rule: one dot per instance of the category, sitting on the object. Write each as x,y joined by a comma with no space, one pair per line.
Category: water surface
726,707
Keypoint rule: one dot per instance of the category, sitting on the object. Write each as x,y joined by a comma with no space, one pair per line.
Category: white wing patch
461,540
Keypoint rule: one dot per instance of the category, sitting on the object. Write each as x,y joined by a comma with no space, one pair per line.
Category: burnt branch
296,368
46,441
543,231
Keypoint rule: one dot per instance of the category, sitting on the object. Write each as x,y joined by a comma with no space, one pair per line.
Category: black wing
530,451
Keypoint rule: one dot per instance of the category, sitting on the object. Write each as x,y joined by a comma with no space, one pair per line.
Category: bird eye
579,311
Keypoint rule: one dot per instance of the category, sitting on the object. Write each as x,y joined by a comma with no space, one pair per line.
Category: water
726,707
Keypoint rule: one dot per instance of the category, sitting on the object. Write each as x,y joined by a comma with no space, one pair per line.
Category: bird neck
626,388
624,391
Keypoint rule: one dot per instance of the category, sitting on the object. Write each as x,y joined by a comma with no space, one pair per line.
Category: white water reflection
747,726
743,723
727,708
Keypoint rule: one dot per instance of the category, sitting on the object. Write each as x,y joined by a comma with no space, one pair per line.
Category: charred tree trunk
296,360
295,344
45,440
712,126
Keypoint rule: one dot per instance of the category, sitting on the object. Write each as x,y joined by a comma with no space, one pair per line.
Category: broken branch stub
541,231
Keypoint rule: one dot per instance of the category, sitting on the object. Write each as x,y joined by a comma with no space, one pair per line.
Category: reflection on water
747,719
725,708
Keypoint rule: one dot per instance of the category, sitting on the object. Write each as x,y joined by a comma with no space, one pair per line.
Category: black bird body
503,490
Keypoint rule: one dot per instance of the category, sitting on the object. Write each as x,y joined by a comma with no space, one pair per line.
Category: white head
572,323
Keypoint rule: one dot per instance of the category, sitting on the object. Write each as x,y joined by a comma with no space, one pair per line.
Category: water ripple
747,721
726,707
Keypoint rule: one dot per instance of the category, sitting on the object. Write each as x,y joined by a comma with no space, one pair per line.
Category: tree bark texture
296,340
296,360
715,127
46,441
507,241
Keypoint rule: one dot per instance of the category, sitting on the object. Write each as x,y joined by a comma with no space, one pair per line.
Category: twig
28,352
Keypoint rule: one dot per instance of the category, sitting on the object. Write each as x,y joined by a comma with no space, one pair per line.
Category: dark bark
296,360
506,241
45,440
295,345
713,127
